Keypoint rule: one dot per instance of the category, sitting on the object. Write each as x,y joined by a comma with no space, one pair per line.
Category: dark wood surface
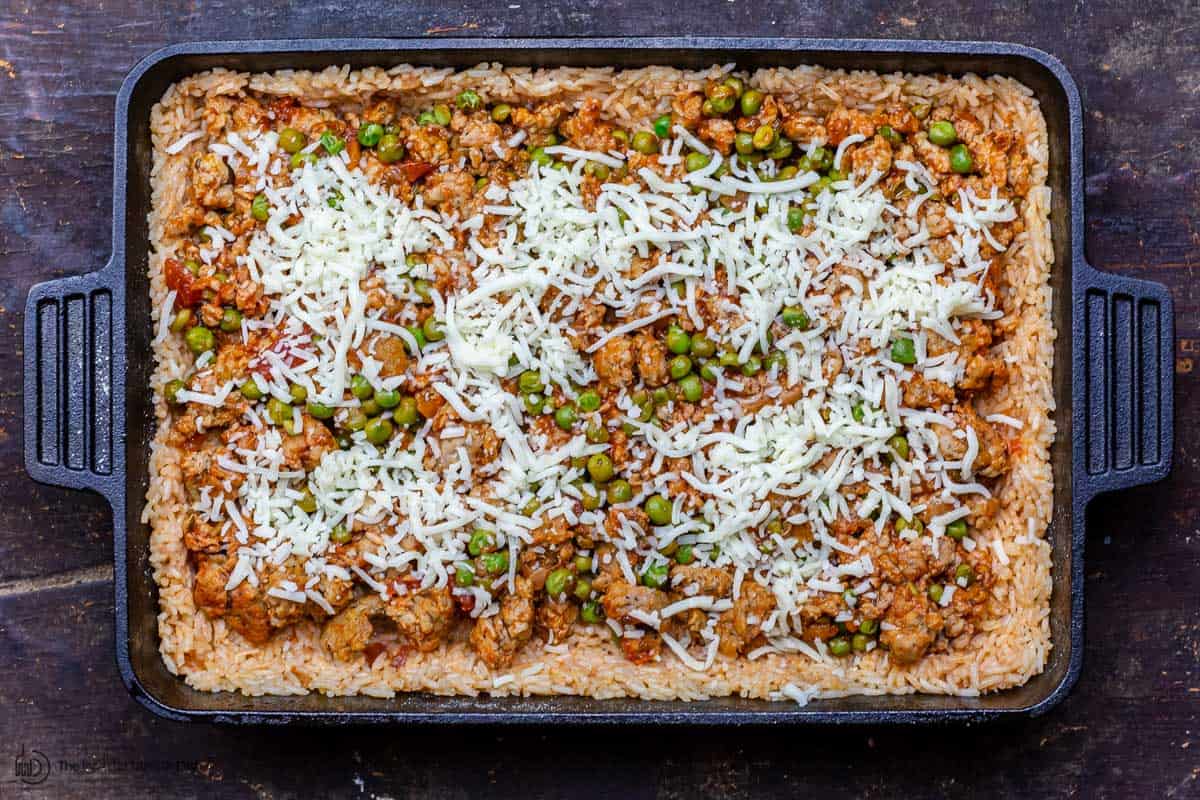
1130,729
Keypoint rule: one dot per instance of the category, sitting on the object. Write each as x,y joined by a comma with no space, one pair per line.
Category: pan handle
74,410
1124,378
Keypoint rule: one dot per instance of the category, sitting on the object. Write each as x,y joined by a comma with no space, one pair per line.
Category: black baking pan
89,420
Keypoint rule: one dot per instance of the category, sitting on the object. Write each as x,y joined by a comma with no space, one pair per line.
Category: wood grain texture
1128,730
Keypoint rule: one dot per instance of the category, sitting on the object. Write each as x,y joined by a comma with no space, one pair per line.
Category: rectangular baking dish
89,420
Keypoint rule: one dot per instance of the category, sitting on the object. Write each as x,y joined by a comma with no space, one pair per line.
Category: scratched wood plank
1126,731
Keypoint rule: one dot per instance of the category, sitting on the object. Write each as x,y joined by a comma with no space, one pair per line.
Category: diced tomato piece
413,171
181,280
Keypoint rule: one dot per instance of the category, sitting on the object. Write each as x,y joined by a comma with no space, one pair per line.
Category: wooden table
1129,728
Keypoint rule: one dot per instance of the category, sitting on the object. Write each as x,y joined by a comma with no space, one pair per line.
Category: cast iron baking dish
89,420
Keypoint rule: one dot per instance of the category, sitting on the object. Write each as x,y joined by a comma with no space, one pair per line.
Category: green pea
645,143
597,170
899,446
307,502
418,335
822,185
538,155
467,100
387,398
292,140
752,367
591,612
904,351
531,382
589,400
780,150
736,84
869,626
332,144
441,114
658,509
565,416
530,508
371,408
361,388
619,491
890,135
297,392
355,420
839,646
370,134
600,467
279,411
656,576
260,208
722,98
558,582
661,396
589,497
795,317
858,412
463,576
621,136
495,563
859,642
583,564
432,329
960,159
171,391
696,161
702,347
501,112
679,366
406,413
596,433
729,359
744,143
583,588
942,133
482,541
231,320
957,530
935,592
534,403
199,339
752,101
183,318
692,388
319,410
708,371
920,110
423,290
686,554
795,219
300,159
390,148
340,534
250,391
662,126
821,159
678,340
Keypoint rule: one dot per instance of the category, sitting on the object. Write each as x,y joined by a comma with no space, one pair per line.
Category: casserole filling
715,384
